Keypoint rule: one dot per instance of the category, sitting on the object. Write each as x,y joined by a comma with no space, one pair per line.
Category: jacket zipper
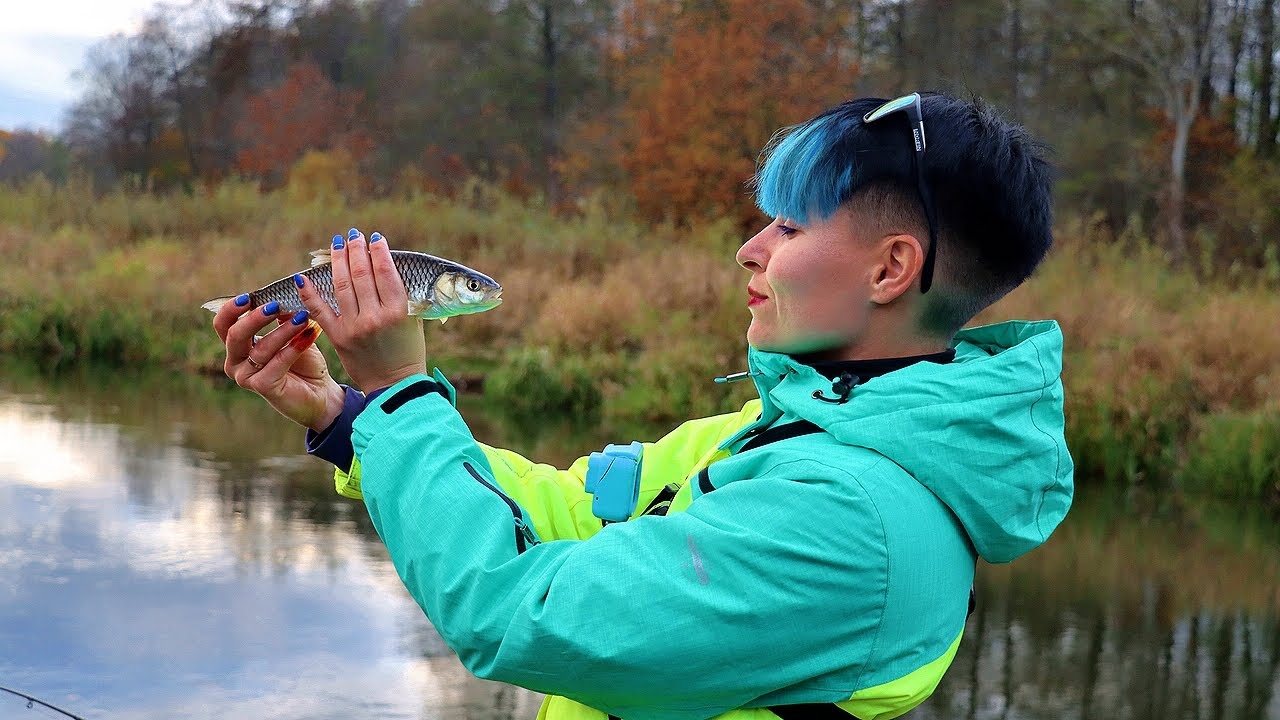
524,534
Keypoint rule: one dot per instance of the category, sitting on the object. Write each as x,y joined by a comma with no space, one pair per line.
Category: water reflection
167,551
1145,615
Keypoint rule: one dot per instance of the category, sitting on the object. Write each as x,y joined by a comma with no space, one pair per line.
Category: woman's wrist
335,398
385,380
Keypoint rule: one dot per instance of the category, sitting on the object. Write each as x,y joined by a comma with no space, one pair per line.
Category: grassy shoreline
1173,382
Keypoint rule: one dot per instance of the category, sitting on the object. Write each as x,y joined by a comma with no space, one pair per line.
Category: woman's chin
817,348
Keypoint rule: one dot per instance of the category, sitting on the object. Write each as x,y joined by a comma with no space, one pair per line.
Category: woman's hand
377,342
284,366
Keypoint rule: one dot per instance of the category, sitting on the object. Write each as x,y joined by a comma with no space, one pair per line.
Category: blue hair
810,170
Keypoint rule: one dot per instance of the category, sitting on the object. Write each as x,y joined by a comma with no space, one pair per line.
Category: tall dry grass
1171,379
1168,376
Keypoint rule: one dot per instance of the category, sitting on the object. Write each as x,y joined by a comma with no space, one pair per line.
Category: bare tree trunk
177,77
550,102
1239,19
1183,116
1184,100
900,43
859,32
1266,146
1015,59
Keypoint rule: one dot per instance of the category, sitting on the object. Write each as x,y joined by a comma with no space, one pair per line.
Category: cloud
48,40
83,18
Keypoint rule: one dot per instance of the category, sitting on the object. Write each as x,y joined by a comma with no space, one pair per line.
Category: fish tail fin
216,304
321,257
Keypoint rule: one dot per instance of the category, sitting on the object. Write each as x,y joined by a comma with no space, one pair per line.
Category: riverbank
1173,382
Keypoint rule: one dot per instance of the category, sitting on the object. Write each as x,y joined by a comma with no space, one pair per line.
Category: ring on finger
257,365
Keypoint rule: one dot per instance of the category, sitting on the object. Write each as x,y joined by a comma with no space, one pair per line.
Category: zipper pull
526,532
734,377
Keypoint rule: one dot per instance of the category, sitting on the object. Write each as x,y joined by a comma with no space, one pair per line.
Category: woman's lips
754,298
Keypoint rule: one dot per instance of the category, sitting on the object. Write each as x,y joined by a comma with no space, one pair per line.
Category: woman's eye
786,230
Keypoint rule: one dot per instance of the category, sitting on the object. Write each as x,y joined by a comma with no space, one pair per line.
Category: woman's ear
899,260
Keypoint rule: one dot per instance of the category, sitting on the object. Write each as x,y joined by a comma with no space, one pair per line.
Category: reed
1173,380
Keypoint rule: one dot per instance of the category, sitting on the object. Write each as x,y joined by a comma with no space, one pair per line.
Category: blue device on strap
613,478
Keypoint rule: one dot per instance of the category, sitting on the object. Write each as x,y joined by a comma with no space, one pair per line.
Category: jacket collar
867,369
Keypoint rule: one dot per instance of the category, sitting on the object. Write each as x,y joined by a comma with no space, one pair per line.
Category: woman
809,555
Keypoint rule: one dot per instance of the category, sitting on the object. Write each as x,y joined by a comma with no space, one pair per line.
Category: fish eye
473,285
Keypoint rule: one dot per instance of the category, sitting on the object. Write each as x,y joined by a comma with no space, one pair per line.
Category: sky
42,43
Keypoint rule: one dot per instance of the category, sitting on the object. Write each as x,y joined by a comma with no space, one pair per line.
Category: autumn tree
666,103
126,108
1171,43
303,112
736,72
24,154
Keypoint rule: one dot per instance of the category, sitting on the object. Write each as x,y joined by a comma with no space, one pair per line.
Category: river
167,550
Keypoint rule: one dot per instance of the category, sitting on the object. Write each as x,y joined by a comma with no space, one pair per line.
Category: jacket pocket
524,534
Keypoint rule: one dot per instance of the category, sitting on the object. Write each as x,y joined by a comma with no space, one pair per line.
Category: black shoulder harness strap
811,711
781,432
808,711
774,434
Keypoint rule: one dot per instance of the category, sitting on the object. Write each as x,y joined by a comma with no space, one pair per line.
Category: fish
438,289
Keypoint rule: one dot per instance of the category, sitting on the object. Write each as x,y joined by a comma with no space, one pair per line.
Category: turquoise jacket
827,567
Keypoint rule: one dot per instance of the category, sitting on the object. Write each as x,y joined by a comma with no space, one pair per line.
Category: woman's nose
753,255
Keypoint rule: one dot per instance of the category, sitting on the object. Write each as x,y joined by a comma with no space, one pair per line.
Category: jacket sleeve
660,618
554,500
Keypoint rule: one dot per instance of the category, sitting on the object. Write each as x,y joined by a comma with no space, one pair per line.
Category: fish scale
419,271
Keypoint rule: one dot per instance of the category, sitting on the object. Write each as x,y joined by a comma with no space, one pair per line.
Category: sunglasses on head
910,104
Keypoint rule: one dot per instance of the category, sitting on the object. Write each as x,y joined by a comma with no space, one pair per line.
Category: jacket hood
984,433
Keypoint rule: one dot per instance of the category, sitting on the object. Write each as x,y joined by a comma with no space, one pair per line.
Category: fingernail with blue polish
242,300
297,280
352,233
271,308
299,318
337,242
375,237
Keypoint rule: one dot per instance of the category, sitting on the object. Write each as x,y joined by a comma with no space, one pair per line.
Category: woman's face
809,291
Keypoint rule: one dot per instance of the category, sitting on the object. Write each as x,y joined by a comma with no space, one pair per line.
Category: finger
240,336
391,290
298,341
316,306
343,292
361,271
266,347
228,313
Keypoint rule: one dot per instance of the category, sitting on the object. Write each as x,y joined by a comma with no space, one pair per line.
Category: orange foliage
443,173
305,112
1211,146
731,76
168,163
4,136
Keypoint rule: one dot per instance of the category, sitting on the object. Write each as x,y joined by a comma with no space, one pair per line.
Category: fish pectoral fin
420,308
323,256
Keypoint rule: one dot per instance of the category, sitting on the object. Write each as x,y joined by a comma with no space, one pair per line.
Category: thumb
317,308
